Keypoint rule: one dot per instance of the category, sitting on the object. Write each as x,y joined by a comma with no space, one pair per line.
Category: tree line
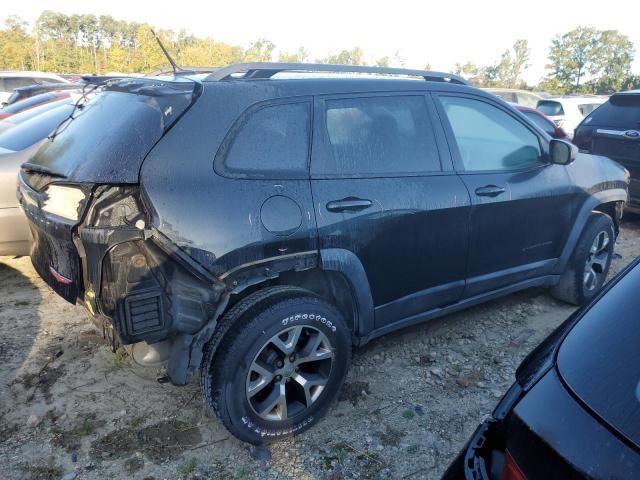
584,60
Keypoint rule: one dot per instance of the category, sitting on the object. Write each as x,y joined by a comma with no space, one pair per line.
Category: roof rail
261,70
182,71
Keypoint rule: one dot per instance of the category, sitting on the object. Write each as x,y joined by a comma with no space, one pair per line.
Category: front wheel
588,268
278,368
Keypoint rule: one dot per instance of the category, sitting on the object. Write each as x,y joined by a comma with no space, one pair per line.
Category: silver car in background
18,142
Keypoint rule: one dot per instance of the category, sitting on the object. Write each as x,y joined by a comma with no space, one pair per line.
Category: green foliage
186,468
299,56
408,414
586,60
355,56
120,357
101,44
506,73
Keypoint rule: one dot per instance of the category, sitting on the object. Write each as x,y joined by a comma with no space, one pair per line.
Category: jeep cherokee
254,223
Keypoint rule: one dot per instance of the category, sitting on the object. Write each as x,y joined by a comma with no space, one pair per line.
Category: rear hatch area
103,142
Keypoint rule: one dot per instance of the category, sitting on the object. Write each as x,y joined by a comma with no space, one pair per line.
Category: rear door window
271,141
377,136
488,138
550,107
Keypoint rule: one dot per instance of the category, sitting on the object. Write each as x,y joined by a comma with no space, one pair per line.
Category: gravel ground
69,408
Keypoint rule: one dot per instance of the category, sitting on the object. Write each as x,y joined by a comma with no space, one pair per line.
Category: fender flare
594,200
347,263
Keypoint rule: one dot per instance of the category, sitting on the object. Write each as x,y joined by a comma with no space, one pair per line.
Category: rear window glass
379,135
272,142
621,115
35,129
549,107
114,131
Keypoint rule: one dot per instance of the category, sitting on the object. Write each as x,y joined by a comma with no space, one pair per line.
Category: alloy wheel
289,373
597,259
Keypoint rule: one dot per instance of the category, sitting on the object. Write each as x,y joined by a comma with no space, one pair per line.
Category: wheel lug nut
292,358
278,378
279,364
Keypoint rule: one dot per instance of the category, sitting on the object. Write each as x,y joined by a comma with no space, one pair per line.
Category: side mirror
562,152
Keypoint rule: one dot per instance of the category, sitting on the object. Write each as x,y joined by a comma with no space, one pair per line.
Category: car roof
27,73
338,85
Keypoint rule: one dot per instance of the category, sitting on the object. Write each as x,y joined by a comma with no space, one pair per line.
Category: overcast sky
440,33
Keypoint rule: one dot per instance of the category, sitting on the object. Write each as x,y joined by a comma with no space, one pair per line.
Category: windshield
549,107
34,129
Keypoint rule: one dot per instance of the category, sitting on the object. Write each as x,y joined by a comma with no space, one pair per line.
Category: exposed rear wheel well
329,285
614,210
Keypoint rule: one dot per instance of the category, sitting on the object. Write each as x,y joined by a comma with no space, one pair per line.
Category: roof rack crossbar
260,70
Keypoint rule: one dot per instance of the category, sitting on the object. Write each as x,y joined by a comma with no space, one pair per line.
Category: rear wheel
588,268
279,366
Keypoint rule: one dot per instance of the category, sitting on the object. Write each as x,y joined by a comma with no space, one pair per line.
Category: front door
382,190
522,204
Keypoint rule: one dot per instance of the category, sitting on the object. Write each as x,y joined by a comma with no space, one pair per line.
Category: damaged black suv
256,221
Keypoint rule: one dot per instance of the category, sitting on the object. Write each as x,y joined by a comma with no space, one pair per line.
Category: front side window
271,142
388,135
488,138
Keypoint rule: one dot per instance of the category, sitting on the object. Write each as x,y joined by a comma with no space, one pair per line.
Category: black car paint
606,131
208,235
549,419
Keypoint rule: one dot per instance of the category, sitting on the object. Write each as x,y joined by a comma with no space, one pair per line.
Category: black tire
573,287
246,331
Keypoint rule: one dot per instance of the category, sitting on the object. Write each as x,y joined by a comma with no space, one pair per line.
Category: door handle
349,204
489,191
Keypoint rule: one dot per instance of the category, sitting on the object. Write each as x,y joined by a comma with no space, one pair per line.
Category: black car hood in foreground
111,135
600,358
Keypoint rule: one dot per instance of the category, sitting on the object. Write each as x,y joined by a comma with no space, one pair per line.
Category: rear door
384,190
522,204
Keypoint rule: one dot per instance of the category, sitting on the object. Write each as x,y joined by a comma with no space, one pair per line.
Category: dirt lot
69,408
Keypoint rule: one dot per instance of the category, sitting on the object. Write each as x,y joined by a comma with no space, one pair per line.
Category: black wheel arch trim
592,203
347,263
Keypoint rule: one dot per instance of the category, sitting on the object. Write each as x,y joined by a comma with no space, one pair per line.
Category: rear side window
620,113
549,107
488,138
389,135
270,142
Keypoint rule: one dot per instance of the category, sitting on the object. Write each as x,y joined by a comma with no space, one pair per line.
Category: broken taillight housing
117,207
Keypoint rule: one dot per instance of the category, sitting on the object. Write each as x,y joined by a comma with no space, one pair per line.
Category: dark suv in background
255,223
613,130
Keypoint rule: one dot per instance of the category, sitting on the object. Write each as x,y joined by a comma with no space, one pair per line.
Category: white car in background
513,95
10,80
568,111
